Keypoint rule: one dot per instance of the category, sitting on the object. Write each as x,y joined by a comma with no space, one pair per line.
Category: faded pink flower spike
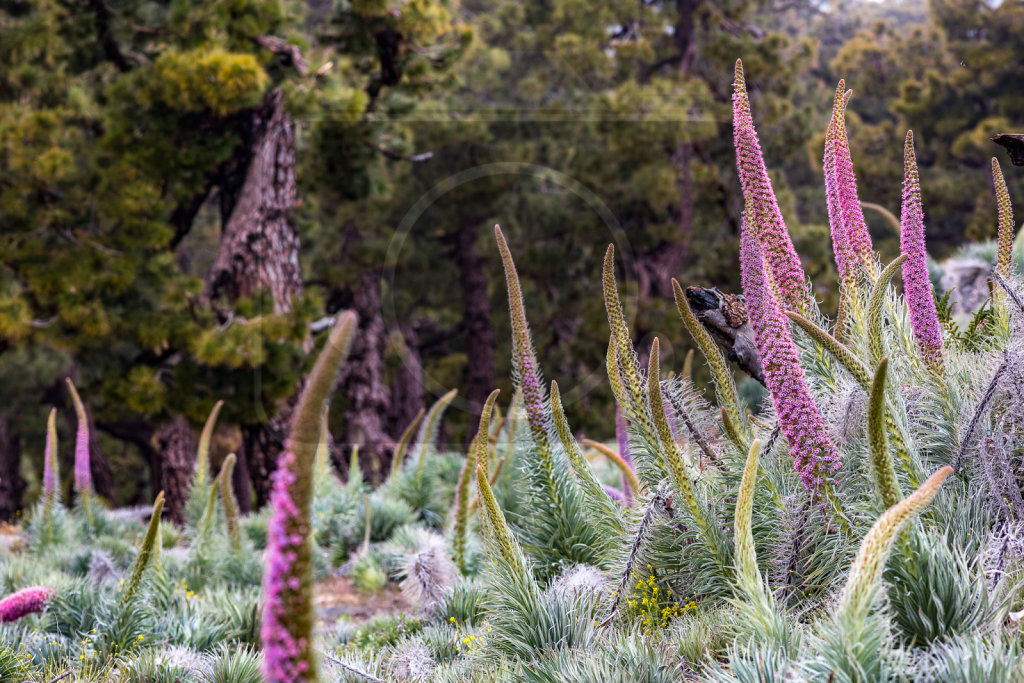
924,317
51,474
814,456
761,211
83,471
1004,241
850,238
26,601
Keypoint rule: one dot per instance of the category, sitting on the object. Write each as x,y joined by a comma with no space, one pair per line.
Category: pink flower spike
761,211
852,215
83,471
50,467
917,287
815,458
26,601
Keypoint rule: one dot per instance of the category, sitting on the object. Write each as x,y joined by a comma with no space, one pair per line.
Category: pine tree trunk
12,486
476,321
177,447
259,251
362,381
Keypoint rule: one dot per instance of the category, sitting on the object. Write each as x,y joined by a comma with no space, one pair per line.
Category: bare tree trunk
476,321
12,486
102,478
177,446
259,251
362,379
406,384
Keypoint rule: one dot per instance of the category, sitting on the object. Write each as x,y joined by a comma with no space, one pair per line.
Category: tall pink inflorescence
917,287
286,547
761,210
850,238
289,616
850,213
814,456
83,471
26,601
50,474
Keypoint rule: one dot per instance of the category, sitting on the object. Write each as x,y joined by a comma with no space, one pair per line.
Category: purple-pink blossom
850,238
917,287
26,601
284,660
761,210
814,455
50,461
83,472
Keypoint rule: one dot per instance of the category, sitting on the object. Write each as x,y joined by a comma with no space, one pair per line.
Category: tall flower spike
83,472
51,467
525,367
227,499
877,544
1004,251
288,615
762,212
202,472
924,317
814,456
840,240
849,215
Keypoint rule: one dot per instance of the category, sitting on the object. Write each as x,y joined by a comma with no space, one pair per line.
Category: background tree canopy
188,189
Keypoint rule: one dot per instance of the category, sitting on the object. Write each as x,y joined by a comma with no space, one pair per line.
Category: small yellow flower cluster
653,606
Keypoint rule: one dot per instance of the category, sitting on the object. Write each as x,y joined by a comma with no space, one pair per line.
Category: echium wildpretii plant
756,538
821,535
288,615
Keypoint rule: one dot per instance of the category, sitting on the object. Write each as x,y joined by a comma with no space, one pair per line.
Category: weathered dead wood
725,318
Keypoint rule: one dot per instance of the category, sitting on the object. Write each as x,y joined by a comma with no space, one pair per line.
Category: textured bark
102,478
725,318
406,385
177,445
362,380
241,482
259,251
259,248
12,486
476,321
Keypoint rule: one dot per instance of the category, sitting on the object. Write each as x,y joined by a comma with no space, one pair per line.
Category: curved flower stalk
859,590
205,527
672,458
403,443
761,212
27,601
462,508
814,456
725,386
622,441
525,368
850,238
747,573
623,367
147,552
227,499
497,533
83,471
199,487
882,464
288,616
51,466
601,501
202,473
924,318
1004,236
428,432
